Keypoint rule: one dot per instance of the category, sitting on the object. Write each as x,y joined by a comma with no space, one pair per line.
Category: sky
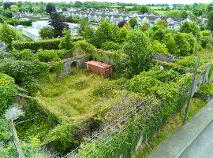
132,1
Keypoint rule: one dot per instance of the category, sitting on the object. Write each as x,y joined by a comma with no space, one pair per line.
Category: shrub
23,71
46,33
206,33
139,51
159,47
53,55
87,47
16,22
111,46
142,83
36,45
189,27
190,61
25,54
170,43
206,41
66,41
8,92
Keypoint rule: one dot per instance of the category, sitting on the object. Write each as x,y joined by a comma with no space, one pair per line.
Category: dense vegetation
63,113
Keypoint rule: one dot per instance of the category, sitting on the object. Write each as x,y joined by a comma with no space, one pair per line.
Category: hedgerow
36,45
53,55
8,91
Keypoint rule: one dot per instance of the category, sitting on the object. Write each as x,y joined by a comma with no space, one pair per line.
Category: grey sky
133,1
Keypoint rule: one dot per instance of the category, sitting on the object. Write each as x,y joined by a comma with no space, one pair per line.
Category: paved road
202,146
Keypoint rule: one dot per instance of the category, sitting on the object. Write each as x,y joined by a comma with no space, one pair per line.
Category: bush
36,45
25,54
190,61
206,41
8,92
87,47
159,47
111,46
142,83
139,51
46,33
23,71
66,41
206,33
15,22
53,55
189,27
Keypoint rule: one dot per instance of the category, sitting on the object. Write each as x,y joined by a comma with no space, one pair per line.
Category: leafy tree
162,23
189,27
144,27
46,33
184,14
66,41
50,8
7,35
133,22
159,47
105,32
7,5
57,22
78,4
122,23
83,24
170,43
210,22
143,9
139,51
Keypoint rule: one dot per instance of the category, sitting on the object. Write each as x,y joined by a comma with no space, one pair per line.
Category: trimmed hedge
36,45
41,44
15,22
53,55
8,91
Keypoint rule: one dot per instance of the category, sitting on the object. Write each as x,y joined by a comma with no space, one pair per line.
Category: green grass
169,129
75,96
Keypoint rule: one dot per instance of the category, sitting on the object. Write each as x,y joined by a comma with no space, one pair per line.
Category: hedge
53,55
41,44
36,45
168,99
8,91
16,22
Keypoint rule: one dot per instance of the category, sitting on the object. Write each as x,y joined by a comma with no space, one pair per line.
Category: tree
7,5
50,8
189,27
46,33
210,22
139,51
133,22
162,23
78,4
184,14
144,27
7,35
57,22
143,9
122,23
66,41
83,24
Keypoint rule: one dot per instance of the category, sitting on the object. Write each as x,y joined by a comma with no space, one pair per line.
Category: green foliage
189,27
36,45
185,43
210,22
66,41
8,92
85,46
53,55
170,43
111,46
159,47
46,33
207,89
190,61
15,22
205,33
206,41
8,35
103,90
25,73
83,25
105,32
142,83
144,27
25,54
162,24
133,22
138,49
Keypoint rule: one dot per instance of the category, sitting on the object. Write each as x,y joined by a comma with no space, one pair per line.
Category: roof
98,64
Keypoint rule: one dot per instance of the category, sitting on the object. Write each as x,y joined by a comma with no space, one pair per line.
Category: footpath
183,138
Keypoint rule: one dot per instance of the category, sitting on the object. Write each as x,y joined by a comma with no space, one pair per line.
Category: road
202,146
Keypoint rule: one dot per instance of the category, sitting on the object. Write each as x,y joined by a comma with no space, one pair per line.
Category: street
202,146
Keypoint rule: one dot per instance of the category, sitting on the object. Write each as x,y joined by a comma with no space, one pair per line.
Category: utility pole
192,88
